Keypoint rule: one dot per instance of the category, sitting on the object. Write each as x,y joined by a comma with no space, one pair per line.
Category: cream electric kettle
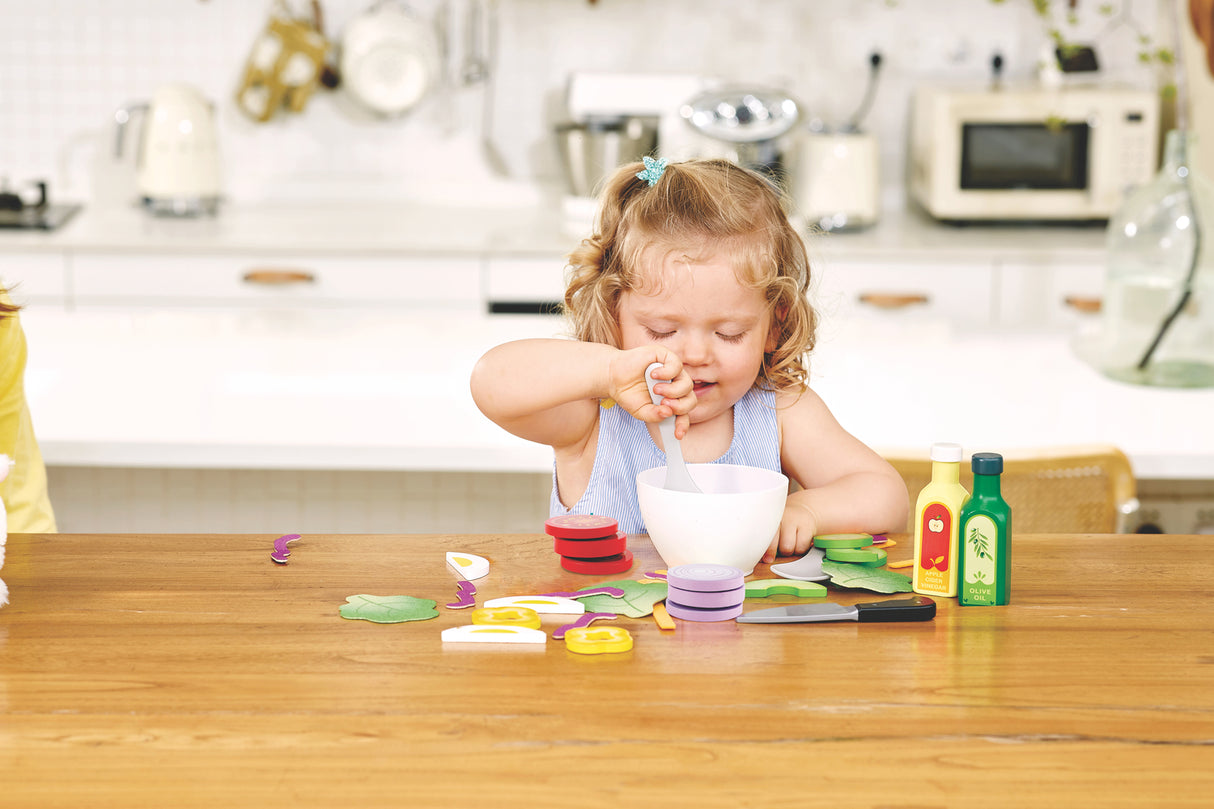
177,159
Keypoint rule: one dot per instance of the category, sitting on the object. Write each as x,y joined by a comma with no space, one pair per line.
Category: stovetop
16,213
44,218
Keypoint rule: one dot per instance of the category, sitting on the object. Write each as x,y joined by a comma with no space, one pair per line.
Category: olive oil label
936,528
978,558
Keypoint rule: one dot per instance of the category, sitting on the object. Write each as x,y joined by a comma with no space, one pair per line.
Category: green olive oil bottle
985,534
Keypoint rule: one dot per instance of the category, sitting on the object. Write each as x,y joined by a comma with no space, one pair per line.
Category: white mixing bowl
732,523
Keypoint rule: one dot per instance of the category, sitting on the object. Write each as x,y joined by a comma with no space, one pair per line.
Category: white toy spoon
807,568
678,477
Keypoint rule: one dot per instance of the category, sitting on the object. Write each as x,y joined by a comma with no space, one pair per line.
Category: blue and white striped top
626,448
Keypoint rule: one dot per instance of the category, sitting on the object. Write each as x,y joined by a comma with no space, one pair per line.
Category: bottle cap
987,463
949,453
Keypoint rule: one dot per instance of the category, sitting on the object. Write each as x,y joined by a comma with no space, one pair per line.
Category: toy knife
916,608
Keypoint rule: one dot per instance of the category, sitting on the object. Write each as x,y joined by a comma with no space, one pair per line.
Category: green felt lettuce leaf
879,580
637,601
388,609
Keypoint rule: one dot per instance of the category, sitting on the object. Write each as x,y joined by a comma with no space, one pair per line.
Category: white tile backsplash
66,65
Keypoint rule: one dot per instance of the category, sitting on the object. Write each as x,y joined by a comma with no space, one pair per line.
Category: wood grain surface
193,671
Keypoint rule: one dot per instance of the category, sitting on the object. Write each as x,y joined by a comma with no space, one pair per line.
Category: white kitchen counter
342,390
535,226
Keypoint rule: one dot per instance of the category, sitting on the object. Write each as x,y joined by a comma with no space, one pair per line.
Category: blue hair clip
654,167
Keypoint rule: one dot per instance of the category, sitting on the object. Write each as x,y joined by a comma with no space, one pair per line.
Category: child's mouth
701,387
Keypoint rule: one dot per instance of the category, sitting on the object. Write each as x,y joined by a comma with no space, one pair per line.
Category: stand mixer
832,176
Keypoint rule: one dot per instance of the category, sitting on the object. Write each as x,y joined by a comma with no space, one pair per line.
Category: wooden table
180,671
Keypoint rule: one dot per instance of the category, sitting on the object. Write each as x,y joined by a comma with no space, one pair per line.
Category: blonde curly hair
718,206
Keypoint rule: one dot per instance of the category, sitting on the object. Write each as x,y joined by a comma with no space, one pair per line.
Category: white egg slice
551,605
469,566
482,633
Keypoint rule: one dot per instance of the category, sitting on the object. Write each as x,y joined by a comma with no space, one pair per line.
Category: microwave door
1025,156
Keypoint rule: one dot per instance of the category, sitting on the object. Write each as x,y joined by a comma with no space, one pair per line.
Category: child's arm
846,486
548,391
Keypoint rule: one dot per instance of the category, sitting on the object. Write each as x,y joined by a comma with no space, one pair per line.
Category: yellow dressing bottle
937,517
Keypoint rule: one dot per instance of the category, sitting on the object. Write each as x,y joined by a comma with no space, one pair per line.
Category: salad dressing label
935,547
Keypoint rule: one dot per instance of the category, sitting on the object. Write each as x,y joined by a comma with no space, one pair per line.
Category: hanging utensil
475,68
284,65
390,59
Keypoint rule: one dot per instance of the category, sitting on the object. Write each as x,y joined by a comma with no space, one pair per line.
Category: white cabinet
1053,296
524,285
960,294
34,277
183,279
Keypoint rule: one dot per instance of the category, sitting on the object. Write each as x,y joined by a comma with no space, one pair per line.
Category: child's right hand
630,390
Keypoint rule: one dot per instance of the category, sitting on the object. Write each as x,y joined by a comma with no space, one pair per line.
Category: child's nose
695,349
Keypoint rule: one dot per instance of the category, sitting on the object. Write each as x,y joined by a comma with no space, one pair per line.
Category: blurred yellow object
1085,489
507,616
591,640
283,69
24,489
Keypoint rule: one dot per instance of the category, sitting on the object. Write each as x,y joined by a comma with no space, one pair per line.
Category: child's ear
774,330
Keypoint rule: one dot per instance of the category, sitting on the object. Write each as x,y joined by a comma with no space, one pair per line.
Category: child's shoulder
787,401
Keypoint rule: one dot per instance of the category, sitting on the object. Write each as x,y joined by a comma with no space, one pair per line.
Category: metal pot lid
741,114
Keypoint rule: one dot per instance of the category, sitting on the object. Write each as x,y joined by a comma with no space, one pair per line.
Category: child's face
719,328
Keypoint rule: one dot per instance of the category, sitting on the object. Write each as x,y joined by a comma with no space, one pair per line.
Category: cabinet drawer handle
269,276
1084,304
893,300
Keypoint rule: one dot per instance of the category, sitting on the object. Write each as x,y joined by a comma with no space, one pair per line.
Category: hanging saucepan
389,58
748,124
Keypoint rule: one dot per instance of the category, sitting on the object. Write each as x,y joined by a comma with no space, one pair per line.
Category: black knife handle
915,608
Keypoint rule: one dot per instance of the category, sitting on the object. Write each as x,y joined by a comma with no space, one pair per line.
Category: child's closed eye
732,338
658,335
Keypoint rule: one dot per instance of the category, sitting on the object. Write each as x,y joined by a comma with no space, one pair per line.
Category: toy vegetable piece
705,578
843,540
701,592
619,563
506,616
762,588
862,556
581,526
589,543
280,552
593,640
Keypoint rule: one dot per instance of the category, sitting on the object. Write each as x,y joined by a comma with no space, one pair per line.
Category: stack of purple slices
705,592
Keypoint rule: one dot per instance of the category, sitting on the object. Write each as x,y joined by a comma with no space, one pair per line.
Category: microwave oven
1005,154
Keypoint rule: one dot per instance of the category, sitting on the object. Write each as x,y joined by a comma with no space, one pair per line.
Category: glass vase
1157,319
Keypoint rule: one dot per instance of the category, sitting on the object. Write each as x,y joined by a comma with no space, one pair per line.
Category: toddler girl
693,265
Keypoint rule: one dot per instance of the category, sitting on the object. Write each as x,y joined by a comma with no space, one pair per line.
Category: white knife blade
915,608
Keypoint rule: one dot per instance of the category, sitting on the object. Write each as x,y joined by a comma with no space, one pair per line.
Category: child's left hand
796,535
